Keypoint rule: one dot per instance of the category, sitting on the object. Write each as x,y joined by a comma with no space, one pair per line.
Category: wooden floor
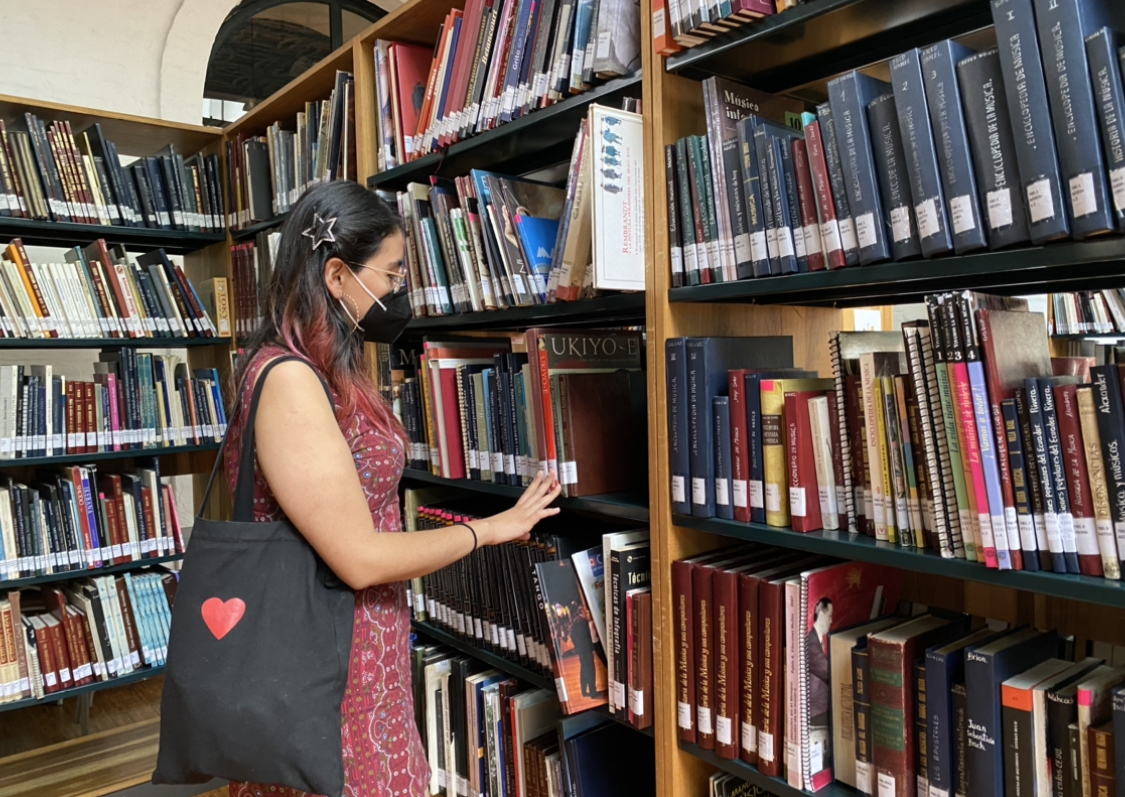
43,754
90,766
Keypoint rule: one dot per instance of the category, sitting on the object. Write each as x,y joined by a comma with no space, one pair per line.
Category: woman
338,281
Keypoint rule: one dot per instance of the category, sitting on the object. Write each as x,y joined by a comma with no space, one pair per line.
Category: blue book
951,139
515,60
894,180
1017,467
849,95
439,114
766,180
724,505
993,147
752,198
788,255
986,668
1063,28
784,137
921,153
675,363
945,666
1057,472
838,183
537,237
1026,91
757,485
708,360
1037,446
1109,98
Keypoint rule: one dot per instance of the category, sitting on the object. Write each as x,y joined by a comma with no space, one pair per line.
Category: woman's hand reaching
517,522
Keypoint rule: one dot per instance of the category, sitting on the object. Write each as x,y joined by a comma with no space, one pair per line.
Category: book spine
894,184
769,722
727,664
752,189
1111,428
1017,733
751,666
990,467
839,183
774,471
763,150
684,629
1109,99
825,203
1026,91
754,440
720,411
1077,481
921,153
794,666
1099,492
739,453
700,430
687,221
864,770
1057,466
1118,718
1043,469
675,237
806,195
848,98
1017,467
788,255
796,224
804,500
939,731
921,729
1062,32
704,648
892,719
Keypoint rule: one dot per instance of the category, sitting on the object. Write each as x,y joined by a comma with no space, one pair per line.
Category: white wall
145,57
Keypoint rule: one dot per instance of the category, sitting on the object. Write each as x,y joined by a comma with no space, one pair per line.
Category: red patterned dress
383,754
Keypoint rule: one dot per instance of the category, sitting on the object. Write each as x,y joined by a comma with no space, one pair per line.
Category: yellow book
435,457
775,460
873,365
216,297
886,484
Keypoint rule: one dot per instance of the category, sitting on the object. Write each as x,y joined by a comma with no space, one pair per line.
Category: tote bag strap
244,489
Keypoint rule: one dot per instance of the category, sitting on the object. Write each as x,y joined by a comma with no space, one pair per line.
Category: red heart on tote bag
221,617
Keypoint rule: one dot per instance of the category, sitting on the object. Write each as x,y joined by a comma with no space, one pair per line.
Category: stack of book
252,264
48,172
488,241
266,174
134,401
928,164
103,292
805,669
493,63
568,403
75,519
961,434
567,615
1087,313
84,631
486,733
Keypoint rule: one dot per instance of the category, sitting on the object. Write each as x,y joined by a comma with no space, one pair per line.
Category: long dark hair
300,313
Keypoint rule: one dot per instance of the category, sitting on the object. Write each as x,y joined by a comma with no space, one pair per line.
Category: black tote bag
258,655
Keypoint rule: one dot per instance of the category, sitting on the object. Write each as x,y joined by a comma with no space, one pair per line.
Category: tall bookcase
203,257
796,52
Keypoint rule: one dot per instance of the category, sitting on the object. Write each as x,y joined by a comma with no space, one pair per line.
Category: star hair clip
320,231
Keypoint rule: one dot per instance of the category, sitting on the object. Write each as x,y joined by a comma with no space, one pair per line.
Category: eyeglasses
396,278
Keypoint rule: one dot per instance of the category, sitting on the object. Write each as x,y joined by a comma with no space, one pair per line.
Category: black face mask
387,318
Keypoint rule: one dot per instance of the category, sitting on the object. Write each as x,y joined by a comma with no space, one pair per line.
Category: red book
825,202
965,420
1078,483
84,674
754,9
771,703
173,516
410,67
71,419
59,654
662,30
804,495
91,422
890,680
705,649
724,588
684,624
749,646
462,67
806,197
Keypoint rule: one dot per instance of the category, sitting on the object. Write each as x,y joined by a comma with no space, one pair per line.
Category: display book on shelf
492,64
487,241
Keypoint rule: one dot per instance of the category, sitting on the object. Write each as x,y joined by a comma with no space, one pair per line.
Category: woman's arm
310,470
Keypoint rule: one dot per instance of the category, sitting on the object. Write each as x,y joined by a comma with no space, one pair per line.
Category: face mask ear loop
369,293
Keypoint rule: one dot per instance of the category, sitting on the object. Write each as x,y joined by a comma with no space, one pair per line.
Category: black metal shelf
142,674
102,456
20,583
605,712
822,38
775,786
629,506
542,138
499,662
1088,589
246,233
1073,265
617,308
109,343
64,233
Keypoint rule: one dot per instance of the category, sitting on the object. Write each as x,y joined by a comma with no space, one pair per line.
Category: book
1109,96
891,167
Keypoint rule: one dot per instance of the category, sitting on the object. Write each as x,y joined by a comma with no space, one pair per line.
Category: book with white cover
617,152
